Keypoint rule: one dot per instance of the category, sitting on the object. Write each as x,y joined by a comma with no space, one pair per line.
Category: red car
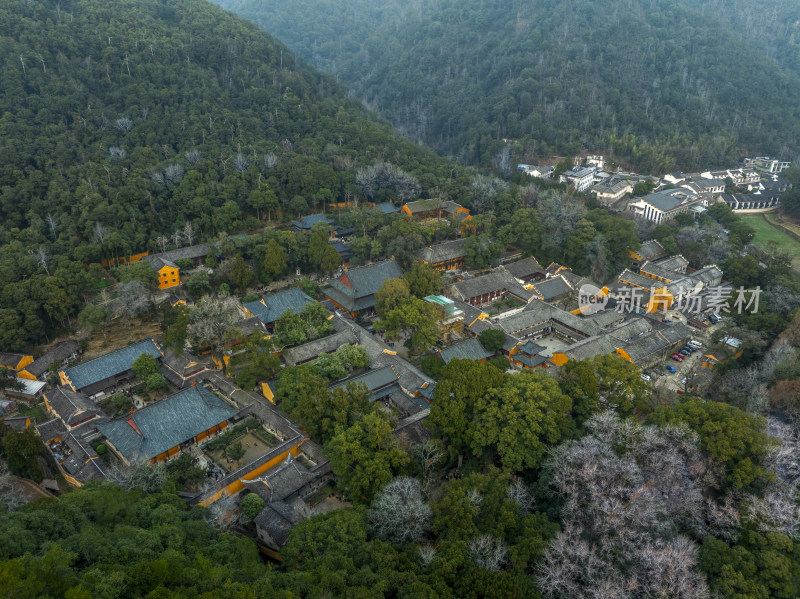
678,357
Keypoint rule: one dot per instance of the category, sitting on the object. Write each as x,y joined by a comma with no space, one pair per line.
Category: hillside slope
124,121
665,84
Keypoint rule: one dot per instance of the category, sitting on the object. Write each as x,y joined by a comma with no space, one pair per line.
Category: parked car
671,369
695,344
645,376
678,357
684,352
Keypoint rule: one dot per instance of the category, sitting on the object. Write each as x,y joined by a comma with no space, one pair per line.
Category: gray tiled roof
669,199
309,351
553,287
708,275
18,423
469,349
378,379
589,348
307,222
385,208
59,353
613,184
281,481
526,267
538,312
441,252
677,263
447,206
471,313
110,364
637,280
248,326
50,429
272,306
364,282
71,406
651,249
190,252
275,521
166,423
652,268
708,183
496,281
10,359
158,262
380,354
606,318
83,463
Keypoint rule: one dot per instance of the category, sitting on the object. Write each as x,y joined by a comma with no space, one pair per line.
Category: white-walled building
664,205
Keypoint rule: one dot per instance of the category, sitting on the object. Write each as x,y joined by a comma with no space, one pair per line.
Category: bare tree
240,162
124,124
52,224
399,513
162,243
116,152
488,552
428,456
99,233
627,488
156,177
174,173
502,160
519,493
148,478
42,257
484,190
188,233
13,498
177,238
193,156
220,512
383,175
212,319
270,160
132,299
427,554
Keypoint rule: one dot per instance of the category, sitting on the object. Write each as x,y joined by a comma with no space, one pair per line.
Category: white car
645,377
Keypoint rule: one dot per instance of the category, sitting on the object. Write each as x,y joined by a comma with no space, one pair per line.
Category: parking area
690,364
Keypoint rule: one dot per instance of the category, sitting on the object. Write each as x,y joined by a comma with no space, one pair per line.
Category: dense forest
128,122
657,84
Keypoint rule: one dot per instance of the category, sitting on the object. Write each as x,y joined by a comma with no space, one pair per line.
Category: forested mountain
662,84
124,121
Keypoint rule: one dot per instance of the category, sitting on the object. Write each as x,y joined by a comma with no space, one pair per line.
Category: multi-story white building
664,205
581,178
767,165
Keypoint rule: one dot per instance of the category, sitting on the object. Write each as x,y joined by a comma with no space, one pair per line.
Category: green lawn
765,232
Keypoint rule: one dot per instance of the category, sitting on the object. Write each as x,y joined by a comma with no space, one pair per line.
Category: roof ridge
113,351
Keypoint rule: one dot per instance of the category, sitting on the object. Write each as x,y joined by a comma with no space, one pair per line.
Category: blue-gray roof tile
272,306
110,364
167,423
